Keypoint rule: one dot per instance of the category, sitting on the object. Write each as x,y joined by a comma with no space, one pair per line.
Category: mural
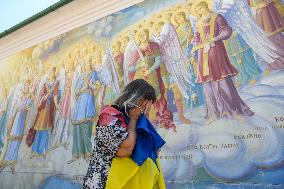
216,65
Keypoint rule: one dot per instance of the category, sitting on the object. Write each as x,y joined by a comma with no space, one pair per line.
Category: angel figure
215,72
83,110
45,117
37,84
144,62
119,58
185,33
108,75
3,116
124,42
62,121
17,121
162,34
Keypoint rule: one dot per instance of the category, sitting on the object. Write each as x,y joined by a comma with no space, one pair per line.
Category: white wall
64,19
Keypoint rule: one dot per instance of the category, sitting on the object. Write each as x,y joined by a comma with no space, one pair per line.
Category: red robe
163,115
219,64
48,105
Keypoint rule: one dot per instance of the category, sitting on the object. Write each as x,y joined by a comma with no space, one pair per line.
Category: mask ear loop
137,107
125,110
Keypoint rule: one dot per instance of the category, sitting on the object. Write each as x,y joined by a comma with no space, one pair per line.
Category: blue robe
83,118
85,107
43,127
241,56
16,133
2,129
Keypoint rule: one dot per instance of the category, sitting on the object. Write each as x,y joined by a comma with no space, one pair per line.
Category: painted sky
13,12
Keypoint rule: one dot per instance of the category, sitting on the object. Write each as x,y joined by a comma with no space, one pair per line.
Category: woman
120,136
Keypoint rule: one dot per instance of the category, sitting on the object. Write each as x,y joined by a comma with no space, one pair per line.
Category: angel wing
239,16
75,79
174,59
107,73
129,50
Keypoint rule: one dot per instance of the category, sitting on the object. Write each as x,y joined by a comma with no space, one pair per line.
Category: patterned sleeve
110,133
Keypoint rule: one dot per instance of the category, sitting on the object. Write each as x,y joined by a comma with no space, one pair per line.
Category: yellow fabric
126,174
204,40
259,4
279,7
43,121
177,93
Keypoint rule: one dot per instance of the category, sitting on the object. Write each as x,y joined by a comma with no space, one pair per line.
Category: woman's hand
136,112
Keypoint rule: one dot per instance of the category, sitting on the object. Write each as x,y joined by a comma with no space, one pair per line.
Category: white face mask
132,105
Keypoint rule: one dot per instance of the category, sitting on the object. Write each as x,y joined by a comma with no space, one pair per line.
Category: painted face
201,10
116,48
180,18
150,24
158,27
168,17
144,36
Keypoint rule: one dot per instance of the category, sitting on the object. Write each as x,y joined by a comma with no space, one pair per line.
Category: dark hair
135,91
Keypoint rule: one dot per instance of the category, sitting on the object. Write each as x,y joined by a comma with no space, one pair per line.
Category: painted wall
41,142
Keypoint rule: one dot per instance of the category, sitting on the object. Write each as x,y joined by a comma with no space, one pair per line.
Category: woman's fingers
143,105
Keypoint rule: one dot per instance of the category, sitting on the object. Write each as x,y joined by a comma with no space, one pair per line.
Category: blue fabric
3,119
85,107
57,182
148,142
41,141
12,150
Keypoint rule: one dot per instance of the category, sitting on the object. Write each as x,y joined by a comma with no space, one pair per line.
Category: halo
173,19
139,32
157,22
196,2
165,16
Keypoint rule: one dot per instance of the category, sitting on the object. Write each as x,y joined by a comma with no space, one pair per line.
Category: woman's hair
135,91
